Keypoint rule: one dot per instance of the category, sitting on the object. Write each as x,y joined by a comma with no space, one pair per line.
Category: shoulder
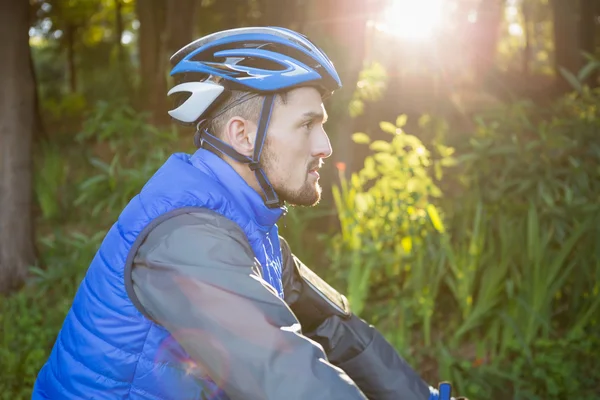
194,234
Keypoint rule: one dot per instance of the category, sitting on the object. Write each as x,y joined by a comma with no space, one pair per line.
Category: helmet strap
202,138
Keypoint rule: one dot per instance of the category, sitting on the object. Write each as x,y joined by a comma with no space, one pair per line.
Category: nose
322,146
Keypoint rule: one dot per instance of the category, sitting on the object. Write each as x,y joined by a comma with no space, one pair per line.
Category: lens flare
410,19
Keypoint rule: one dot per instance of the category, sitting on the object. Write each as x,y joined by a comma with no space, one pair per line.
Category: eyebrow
320,115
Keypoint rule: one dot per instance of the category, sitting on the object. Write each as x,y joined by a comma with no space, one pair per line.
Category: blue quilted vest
106,348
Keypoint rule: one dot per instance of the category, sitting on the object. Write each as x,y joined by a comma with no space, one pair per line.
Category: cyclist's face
295,147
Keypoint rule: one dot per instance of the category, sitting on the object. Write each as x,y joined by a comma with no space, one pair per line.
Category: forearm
370,360
349,342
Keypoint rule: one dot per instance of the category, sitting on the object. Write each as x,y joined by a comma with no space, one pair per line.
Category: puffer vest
107,348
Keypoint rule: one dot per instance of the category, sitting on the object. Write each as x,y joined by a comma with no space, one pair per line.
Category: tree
68,20
566,40
590,12
153,84
340,28
485,34
180,24
17,120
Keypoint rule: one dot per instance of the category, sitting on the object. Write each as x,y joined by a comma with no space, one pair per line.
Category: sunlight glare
515,29
472,18
411,19
127,37
512,11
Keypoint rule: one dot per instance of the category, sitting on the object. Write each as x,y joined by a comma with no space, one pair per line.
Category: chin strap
202,138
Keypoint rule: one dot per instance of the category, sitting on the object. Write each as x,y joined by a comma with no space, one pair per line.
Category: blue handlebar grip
443,393
445,390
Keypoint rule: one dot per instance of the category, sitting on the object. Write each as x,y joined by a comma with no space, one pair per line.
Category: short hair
247,105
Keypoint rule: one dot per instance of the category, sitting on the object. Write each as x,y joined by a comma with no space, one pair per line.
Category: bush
388,224
476,287
31,318
126,152
100,183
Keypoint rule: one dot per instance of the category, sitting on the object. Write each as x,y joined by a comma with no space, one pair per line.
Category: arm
349,342
196,275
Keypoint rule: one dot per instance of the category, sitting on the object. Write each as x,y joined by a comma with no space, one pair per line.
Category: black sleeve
352,344
196,275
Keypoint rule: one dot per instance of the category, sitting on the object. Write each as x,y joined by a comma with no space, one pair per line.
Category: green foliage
560,368
136,149
66,108
31,318
497,281
297,227
536,174
369,88
118,151
50,178
535,18
577,81
386,215
50,73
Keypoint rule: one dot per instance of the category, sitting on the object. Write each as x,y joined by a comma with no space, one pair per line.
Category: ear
240,133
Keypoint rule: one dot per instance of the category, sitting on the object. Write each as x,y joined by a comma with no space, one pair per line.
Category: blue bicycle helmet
261,60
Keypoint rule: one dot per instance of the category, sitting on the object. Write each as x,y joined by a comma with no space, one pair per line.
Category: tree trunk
527,33
119,33
153,86
300,17
486,32
180,24
590,11
566,41
70,37
272,15
339,27
122,62
39,131
17,119
344,24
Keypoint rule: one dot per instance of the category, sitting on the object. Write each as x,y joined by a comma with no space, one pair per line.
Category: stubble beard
308,195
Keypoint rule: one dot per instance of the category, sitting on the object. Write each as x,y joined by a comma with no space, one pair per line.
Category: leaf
381,146
449,162
435,218
384,158
356,108
369,171
85,185
587,70
101,165
401,120
361,138
438,170
572,79
424,120
406,243
387,127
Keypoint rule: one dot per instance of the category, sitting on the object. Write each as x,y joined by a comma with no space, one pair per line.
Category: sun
411,19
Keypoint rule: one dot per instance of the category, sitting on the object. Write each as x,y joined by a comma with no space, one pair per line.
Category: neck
246,173
236,180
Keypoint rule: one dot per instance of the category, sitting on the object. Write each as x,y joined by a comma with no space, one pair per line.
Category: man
192,294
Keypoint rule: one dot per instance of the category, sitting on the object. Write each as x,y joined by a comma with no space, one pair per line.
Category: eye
308,125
